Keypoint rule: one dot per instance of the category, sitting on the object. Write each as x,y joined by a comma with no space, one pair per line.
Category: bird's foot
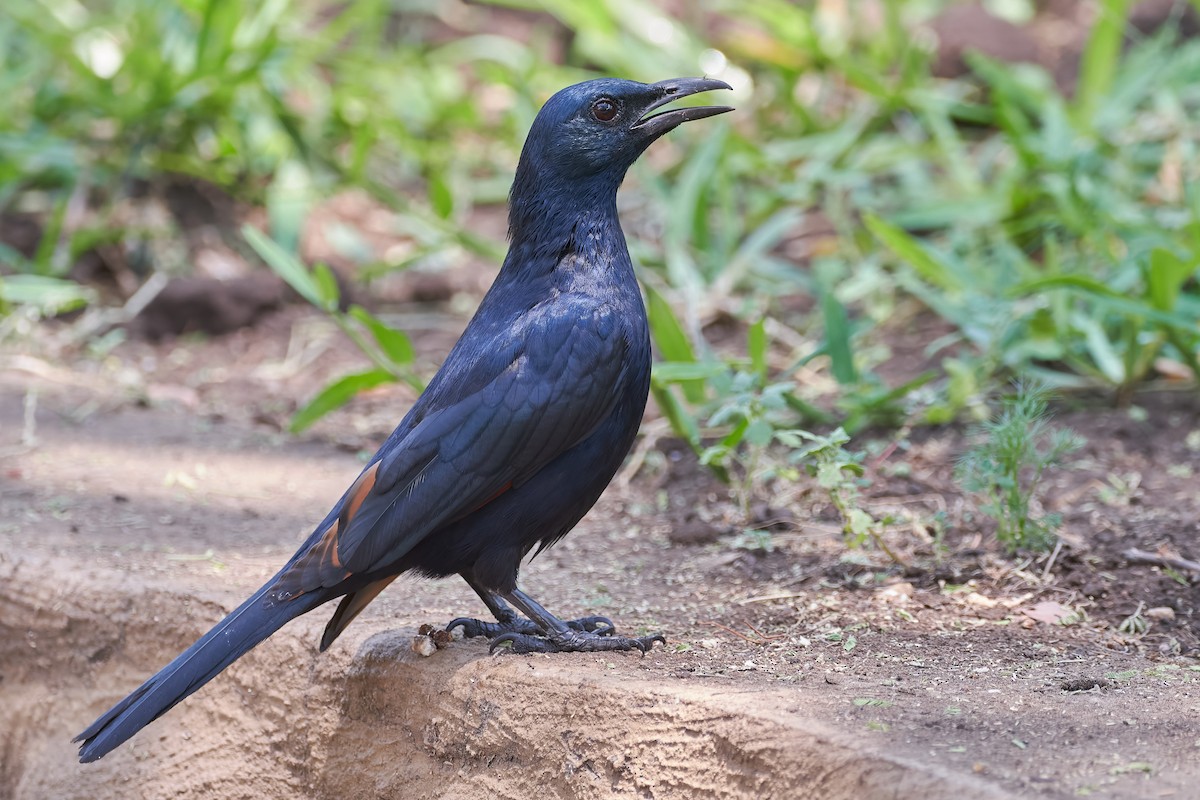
574,640
518,625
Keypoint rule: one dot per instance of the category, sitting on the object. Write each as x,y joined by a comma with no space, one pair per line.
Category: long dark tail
232,637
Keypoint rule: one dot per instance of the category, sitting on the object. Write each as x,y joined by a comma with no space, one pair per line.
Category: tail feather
232,637
350,607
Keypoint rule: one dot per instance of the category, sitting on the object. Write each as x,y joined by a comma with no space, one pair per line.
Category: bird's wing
521,400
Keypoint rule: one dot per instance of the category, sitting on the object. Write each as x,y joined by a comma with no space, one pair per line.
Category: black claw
470,627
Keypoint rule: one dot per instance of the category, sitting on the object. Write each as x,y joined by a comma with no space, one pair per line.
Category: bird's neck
550,222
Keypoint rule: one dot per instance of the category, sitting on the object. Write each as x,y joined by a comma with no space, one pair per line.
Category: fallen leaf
896,593
976,599
1049,612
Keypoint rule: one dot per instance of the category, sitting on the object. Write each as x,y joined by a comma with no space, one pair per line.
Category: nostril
671,89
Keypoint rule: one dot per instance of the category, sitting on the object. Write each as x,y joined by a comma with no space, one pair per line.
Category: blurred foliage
1048,235
390,351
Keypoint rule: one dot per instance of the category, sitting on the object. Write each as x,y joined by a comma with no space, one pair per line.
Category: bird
514,438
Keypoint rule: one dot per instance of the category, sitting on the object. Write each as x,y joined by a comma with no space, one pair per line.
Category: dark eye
604,109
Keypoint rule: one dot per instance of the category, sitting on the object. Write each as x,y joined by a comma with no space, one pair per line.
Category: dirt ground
146,491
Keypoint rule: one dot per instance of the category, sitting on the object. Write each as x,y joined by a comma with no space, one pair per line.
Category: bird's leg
509,621
557,636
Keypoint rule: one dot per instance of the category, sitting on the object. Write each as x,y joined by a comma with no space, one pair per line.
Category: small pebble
423,645
1160,613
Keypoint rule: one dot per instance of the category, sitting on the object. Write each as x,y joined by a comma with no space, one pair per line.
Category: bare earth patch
144,495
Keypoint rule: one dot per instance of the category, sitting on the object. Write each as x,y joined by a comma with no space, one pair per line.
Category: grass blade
673,344
336,395
912,251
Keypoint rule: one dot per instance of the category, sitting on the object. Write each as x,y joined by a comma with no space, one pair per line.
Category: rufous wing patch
358,493
322,566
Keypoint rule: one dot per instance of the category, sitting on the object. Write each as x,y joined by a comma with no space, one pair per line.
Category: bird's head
593,131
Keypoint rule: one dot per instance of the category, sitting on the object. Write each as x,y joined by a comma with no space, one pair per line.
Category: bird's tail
250,623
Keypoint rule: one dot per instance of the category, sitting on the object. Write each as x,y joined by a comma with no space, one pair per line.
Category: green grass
1053,237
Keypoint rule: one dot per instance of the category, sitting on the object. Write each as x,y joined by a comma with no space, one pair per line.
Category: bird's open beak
654,125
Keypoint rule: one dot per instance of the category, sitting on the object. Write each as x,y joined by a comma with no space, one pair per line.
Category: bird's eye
604,109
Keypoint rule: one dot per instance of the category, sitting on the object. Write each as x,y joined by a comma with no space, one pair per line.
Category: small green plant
754,541
840,473
1135,624
1014,450
729,413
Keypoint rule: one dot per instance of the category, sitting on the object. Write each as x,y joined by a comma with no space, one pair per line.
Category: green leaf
829,475
689,197
756,247
666,372
735,436
871,701
10,257
1102,350
686,427
756,347
673,344
1165,277
807,410
337,394
1062,282
1101,56
859,522
668,334
285,265
290,197
1107,298
759,433
48,248
49,295
395,344
837,338
912,251
327,286
683,423
714,456
440,196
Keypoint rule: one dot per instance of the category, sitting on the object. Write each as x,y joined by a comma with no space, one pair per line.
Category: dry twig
1135,556
761,640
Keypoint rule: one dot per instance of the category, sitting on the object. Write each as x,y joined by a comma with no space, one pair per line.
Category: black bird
517,434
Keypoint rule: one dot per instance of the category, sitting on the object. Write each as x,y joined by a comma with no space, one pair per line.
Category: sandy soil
134,513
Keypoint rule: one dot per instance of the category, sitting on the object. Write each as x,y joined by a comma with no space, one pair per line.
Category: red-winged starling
517,434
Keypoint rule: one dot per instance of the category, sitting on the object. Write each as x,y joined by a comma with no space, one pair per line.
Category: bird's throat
546,233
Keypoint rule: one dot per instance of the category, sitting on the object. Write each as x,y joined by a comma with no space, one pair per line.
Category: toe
599,625
470,626
521,643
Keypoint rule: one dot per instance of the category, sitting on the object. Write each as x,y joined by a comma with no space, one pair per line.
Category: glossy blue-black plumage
521,429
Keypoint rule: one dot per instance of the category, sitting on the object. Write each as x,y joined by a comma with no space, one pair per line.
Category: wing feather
521,404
